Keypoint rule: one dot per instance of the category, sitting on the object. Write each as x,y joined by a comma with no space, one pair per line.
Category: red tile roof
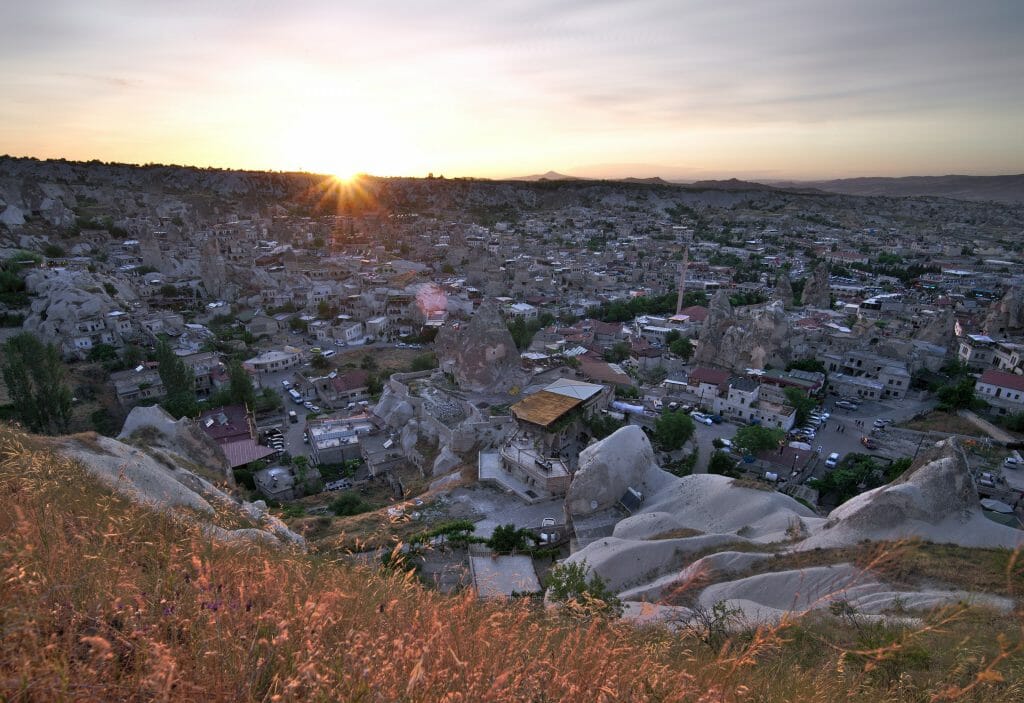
705,375
1003,379
244,451
351,380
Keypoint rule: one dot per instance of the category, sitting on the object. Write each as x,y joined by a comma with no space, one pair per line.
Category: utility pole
682,278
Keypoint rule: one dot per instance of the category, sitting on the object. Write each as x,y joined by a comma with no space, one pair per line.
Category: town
495,368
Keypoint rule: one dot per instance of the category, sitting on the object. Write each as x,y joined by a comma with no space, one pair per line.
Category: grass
104,600
938,421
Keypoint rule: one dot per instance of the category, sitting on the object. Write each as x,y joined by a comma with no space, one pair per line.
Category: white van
295,396
329,353
832,460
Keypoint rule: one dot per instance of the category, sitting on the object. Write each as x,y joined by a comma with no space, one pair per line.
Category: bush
568,583
350,504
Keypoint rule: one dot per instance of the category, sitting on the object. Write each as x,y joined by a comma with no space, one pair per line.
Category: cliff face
481,353
817,293
751,338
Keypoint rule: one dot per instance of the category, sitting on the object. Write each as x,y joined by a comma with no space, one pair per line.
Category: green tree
673,429
507,539
568,583
368,363
755,438
806,365
102,352
722,464
601,425
179,382
320,362
349,504
424,362
240,386
37,384
618,352
683,348
799,401
955,396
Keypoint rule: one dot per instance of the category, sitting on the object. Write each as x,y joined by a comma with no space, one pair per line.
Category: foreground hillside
104,600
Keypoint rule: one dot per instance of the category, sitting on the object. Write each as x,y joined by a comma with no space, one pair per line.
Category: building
274,360
332,441
977,351
553,413
1002,390
141,384
234,429
891,375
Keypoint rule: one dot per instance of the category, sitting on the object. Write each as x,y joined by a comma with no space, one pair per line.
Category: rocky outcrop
156,429
622,460
784,291
940,329
481,353
817,293
720,318
167,481
1005,315
935,500
755,338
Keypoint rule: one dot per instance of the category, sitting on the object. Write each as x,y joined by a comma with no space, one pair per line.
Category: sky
682,89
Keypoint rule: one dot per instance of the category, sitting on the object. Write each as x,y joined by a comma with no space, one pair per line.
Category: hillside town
502,352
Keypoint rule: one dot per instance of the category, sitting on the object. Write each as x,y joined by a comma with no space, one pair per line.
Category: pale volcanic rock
784,291
607,468
720,318
817,293
935,500
481,353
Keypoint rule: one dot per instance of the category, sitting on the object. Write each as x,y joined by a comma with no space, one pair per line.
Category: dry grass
103,600
937,421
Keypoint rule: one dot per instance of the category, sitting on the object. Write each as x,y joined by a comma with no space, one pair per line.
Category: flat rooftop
500,577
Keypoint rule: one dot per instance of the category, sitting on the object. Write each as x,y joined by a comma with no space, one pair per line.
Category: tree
619,352
240,386
602,425
806,365
683,348
754,438
799,401
568,583
722,464
672,429
102,352
955,396
320,362
368,363
506,539
350,504
179,382
37,384
424,362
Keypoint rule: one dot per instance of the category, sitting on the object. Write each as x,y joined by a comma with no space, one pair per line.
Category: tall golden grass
103,600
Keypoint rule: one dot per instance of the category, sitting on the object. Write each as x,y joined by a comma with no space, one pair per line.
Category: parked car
308,405
832,460
287,384
1011,462
846,405
329,353
869,442
292,417
701,417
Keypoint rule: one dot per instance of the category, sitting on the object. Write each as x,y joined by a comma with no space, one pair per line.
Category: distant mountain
656,180
1003,189
730,184
549,176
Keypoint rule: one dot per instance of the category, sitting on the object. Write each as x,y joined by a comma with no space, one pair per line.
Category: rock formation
481,353
754,338
935,499
940,329
784,291
163,464
720,318
1005,315
817,293
622,460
